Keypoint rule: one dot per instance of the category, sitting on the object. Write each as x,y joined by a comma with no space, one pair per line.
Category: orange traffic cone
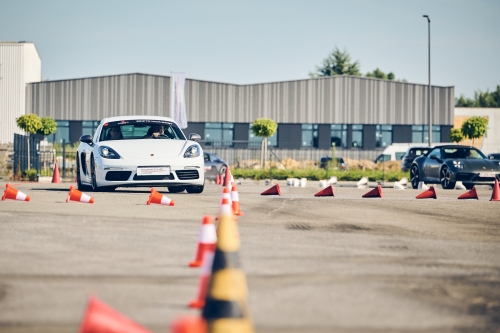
375,193
428,194
158,198
12,193
326,192
227,177
472,194
206,271
495,195
99,317
217,179
206,240
273,190
235,201
75,195
226,194
55,176
189,325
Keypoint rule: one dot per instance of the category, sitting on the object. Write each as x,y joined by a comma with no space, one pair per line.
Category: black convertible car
446,165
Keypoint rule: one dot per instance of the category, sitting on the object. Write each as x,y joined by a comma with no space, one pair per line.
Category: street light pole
429,89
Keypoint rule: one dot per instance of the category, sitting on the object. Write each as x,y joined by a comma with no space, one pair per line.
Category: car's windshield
140,129
464,153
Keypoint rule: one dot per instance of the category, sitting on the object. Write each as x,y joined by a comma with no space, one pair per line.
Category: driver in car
155,132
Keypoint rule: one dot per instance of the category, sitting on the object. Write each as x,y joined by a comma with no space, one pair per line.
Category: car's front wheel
445,178
93,175
195,188
414,176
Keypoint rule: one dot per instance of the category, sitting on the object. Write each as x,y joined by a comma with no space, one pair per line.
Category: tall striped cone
13,194
226,194
100,317
225,307
206,240
206,271
225,208
75,195
160,199
235,201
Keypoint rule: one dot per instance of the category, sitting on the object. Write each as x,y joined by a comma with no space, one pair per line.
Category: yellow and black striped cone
226,302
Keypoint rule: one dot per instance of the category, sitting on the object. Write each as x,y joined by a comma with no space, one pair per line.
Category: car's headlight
107,152
192,151
458,164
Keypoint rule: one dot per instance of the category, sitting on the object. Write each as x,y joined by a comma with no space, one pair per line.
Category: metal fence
24,146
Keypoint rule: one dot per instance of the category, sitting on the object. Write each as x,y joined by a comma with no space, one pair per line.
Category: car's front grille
187,174
118,175
154,177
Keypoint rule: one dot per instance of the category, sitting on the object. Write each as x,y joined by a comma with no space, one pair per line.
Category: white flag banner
177,101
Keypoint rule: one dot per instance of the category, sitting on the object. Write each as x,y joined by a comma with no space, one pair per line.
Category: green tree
474,128
464,102
481,99
337,63
378,74
456,135
264,128
49,126
31,124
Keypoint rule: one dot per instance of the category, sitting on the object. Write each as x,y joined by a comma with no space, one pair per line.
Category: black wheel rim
414,177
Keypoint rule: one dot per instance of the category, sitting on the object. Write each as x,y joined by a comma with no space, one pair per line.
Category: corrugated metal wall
19,64
341,99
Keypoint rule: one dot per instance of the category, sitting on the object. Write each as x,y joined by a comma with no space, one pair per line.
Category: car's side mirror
194,137
87,139
434,157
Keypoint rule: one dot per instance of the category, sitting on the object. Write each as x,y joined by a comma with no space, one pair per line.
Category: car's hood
148,147
479,165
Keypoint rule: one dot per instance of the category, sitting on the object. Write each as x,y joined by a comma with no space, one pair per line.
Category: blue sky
256,41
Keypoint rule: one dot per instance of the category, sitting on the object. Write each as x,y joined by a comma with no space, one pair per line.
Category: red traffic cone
75,195
428,194
160,199
13,194
235,201
207,239
472,194
101,318
217,179
189,325
227,177
375,193
273,190
206,271
55,176
495,195
326,192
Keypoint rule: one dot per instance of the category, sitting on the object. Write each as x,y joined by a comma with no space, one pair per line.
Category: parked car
140,151
338,164
214,165
494,156
448,164
410,155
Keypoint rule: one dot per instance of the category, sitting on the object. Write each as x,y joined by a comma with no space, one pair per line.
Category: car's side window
436,152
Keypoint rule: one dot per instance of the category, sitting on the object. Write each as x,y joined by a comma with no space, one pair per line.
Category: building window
420,133
357,136
219,134
89,127
339,135
383,135
256,141
62,132
309,135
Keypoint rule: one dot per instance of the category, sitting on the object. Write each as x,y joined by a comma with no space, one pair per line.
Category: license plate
487,174
153,171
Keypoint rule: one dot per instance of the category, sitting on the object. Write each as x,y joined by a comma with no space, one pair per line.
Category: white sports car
140,151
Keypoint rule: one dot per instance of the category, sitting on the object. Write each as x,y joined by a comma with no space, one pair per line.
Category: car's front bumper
473,178
120,172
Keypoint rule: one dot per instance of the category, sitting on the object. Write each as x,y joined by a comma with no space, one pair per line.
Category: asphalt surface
333,264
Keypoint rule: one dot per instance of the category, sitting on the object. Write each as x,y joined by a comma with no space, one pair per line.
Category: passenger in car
114,133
